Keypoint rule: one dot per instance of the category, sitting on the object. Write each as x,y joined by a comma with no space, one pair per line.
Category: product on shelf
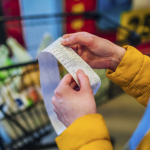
20,54
22,101
7,97
138,4
30,76
138,21
46,41
4,59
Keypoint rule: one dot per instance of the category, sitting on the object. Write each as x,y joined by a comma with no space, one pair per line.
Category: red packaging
13,28
77,23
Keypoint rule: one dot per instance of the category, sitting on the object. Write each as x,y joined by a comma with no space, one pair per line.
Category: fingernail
80,71
65,40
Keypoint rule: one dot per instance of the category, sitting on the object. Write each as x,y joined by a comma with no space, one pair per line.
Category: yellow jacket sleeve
133,74
90,132
86,133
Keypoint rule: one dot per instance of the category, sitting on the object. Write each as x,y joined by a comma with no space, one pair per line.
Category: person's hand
70,104
99,53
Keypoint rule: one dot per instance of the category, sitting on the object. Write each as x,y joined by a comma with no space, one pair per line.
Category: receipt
50,78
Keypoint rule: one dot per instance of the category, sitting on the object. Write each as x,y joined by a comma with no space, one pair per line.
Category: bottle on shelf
19,52
46,41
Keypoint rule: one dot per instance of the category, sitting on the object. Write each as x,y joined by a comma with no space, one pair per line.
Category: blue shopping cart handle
141,131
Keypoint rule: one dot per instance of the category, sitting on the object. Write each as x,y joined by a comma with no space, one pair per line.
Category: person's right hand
99,53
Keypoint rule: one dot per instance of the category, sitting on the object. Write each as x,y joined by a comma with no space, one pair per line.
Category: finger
63,86
55,110
81,38
68,35
55,102
83,80
75,47
66,80
78,49
77,89
73,85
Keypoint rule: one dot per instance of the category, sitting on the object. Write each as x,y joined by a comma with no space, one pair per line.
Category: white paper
50,78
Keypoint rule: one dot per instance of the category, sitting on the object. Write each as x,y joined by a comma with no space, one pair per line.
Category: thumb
82,38
83,80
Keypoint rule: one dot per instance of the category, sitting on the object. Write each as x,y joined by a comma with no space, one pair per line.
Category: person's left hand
70,104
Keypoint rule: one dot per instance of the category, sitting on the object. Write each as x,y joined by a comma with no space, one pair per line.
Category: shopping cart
23,119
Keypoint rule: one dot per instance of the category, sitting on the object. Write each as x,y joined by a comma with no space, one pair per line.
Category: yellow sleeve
86,133
133,74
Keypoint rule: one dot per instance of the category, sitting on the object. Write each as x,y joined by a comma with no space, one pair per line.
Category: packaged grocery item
20,54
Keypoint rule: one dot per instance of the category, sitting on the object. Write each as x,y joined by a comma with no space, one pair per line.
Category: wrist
116,59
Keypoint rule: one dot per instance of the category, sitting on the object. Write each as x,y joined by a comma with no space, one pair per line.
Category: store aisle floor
122,115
